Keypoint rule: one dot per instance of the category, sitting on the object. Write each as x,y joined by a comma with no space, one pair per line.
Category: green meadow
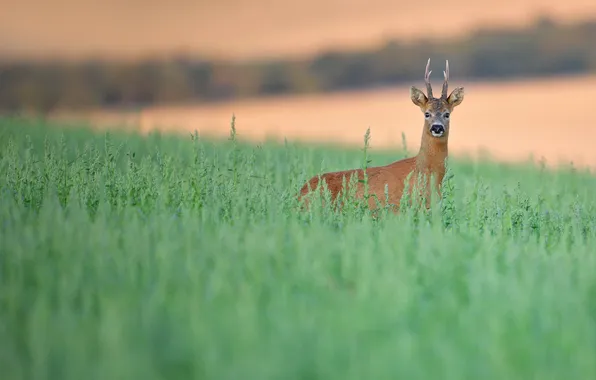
177,257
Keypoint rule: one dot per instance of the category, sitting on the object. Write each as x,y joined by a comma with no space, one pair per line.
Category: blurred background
316,71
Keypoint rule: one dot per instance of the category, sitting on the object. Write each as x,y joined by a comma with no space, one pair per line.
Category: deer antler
445,83
429,88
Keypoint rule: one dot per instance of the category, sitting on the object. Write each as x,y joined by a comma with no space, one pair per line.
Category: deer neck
432,155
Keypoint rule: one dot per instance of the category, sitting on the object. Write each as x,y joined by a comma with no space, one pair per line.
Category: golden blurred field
549,119
237,29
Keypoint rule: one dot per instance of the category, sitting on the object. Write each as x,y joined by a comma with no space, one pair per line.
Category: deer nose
437,129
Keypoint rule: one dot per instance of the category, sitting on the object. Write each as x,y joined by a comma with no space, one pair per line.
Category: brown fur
428,164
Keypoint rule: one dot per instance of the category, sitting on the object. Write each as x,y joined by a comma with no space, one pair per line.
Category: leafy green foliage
168,257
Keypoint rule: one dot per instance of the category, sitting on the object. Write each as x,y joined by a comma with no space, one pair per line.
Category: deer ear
418,97
456,97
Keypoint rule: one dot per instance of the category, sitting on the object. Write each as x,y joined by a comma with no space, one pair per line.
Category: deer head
437,111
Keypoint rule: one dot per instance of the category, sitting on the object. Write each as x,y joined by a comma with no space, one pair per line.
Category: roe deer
428,163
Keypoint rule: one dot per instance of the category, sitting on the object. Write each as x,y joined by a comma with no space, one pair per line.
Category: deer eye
427,115
446,115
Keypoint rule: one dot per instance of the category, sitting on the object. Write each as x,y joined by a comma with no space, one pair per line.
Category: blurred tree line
544,48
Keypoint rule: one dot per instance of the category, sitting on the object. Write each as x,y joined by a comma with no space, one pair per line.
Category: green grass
165,257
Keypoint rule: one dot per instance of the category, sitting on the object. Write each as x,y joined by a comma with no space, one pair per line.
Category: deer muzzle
437,130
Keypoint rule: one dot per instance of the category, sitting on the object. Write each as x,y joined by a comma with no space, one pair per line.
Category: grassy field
168,257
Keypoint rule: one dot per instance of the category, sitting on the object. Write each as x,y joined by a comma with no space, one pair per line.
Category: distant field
212,27
509,120
158,257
